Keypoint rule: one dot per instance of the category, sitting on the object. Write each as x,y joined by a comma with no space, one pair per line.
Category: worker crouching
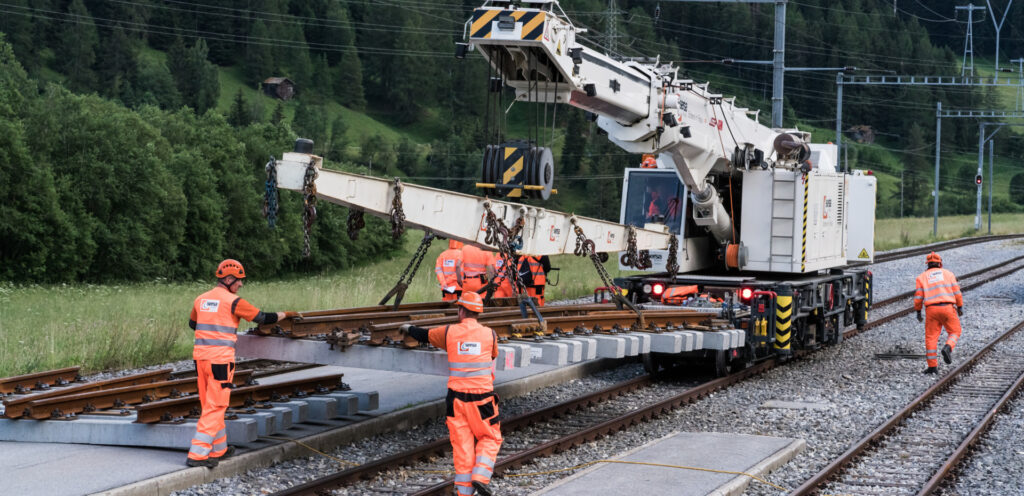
472,407
937,292
215,317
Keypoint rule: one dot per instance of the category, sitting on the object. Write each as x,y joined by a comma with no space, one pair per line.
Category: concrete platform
755,455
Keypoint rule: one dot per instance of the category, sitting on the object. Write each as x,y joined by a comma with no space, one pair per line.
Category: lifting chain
409,273
355,223
672,265
397,214
271,196
308,206
632,258
585,248
504,239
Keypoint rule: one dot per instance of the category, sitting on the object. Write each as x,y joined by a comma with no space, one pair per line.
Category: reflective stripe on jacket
449,269
537,271
474,261
216,326
937,285
470,348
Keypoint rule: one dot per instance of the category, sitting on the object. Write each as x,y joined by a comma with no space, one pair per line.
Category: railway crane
725,207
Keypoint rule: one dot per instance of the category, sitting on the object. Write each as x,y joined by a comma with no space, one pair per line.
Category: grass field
109,327
894,233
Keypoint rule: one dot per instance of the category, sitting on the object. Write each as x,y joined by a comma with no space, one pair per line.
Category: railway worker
937,291
215,316
472,407
475,266
449,271
504,286
533,271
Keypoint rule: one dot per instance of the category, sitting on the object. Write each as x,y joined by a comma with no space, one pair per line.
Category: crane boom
460,216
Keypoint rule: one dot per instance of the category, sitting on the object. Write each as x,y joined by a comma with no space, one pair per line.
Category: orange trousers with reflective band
475,433
935,318
211,437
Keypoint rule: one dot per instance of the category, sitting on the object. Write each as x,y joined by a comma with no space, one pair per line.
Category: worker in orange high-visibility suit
504,285
475,268
937,291
215,316
533,272
472,406
449,271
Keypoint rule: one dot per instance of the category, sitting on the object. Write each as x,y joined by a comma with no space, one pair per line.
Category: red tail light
746,294
658,289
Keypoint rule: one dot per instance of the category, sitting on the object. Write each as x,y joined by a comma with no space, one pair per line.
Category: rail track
597,424
918,447
945,245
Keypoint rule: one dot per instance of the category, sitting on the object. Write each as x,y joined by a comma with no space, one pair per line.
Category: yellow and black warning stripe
803,245
783,322
532,21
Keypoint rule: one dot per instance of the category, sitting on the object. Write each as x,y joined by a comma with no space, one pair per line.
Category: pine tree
77,50
118,63
194,76
239,116
277,118
259,56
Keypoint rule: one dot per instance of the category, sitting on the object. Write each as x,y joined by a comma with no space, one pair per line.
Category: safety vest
449,269
676,295
935,286
216,326
470,366
474,261
537,271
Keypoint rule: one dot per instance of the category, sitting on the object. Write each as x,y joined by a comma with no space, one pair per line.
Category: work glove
449,289
404,329
960,311
919,317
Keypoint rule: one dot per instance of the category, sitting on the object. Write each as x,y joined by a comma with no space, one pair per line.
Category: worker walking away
534,273
449,271
937,292
215,316
472,407
475,264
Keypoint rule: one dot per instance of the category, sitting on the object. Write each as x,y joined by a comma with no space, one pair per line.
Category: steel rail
128,380
440,446
172,409
839,464
969,275
21,384
64,406
946,245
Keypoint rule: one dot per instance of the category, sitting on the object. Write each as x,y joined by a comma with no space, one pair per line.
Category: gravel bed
860,394
996,465
897,276
289,473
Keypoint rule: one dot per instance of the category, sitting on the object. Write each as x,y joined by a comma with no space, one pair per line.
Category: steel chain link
397,213
309,206
502,237
672,264
409,273
585,247
271,196
355,223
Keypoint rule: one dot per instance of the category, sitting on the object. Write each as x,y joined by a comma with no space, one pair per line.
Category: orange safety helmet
454,245
934,257
230,267
649,162
471,301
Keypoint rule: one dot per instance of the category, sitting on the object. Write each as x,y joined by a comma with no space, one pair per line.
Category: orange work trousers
475,431
935,318
446,296
215,383
537,292
473,284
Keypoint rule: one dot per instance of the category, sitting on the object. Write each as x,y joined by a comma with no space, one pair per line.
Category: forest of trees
116,164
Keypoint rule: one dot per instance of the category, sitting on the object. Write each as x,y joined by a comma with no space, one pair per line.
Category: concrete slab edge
405,418
738,484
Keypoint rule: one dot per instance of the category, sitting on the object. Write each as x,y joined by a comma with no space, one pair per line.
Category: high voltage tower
969,40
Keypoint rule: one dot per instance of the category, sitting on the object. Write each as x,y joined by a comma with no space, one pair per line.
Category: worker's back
474,261
448,268
937,285
471,349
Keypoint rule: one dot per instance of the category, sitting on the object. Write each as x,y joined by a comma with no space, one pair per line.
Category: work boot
947,354
228,452
931,370
208,463
482,488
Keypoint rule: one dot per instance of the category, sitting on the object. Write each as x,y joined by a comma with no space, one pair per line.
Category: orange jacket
449,269
937,285
536,270
474,261
471,348
216,314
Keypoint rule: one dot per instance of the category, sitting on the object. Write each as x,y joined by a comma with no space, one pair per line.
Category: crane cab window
654,197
